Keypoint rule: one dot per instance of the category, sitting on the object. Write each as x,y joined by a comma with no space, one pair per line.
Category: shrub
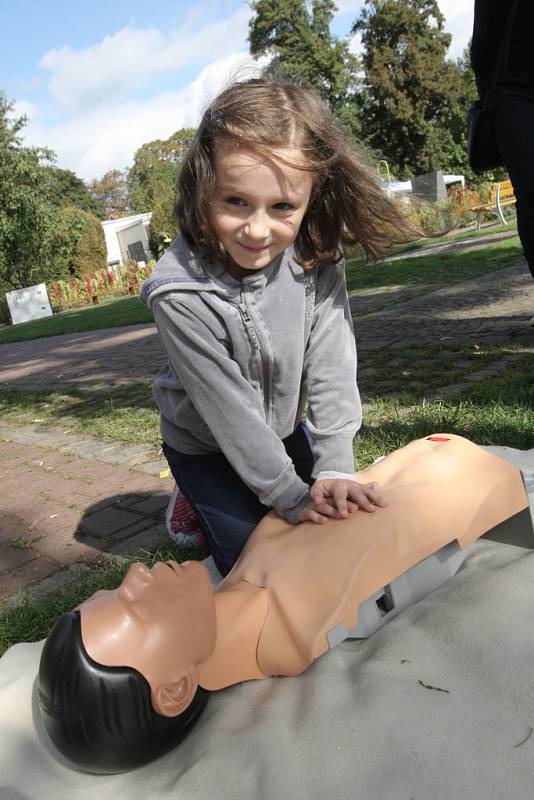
80,242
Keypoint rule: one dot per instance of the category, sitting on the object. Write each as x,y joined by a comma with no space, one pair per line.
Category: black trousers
513,120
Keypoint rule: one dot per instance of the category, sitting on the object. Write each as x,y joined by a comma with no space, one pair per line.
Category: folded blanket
438,704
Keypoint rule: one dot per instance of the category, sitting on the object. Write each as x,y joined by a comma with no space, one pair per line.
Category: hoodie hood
180,268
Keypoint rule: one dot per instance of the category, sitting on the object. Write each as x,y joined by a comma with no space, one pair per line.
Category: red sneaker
182,522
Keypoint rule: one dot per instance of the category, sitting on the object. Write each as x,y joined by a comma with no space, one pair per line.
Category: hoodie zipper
258,344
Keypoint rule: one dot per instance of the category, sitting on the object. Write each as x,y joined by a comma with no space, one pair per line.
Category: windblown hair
101,718
347,205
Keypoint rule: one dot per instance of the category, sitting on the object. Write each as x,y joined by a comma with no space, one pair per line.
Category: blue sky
98,82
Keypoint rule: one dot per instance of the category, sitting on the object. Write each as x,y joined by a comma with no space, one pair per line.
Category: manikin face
160,621
259,204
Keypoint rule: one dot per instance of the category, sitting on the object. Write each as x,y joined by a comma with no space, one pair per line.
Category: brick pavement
93,359
61,512
68,499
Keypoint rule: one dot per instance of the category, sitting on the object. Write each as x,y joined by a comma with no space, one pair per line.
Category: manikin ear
170,699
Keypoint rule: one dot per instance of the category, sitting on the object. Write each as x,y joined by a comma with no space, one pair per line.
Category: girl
252,309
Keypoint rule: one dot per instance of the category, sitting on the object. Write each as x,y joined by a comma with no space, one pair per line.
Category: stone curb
138,457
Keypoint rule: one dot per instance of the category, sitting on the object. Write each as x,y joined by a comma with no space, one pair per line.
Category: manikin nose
138,577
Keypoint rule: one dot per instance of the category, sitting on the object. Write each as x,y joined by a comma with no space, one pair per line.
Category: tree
156,165
27,218
413,98
152,184
297,37
63,188
163,228
110,193
80,244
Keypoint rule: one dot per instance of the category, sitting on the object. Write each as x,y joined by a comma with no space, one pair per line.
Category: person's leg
228,511
513,119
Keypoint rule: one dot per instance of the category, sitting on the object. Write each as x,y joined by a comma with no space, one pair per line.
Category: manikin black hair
101,718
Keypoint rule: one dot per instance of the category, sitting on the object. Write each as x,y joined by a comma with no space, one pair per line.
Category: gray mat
438,704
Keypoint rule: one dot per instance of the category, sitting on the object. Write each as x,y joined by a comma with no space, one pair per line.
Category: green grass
113,314
495,411
460,236
442,267
414,375
124,414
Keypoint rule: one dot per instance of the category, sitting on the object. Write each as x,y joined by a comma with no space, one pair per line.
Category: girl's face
259,204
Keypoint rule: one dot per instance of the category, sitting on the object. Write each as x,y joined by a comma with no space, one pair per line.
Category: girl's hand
337,498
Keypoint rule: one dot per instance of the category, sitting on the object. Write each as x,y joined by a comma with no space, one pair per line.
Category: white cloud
458,21
102,123
355,44
349,7
107,138
109,71
25,108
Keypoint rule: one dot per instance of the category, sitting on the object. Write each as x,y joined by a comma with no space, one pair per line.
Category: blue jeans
228,511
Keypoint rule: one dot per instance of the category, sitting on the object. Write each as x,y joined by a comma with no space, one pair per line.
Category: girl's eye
283,207
235,201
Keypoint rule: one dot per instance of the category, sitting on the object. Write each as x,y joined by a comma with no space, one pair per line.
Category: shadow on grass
502,424
125,413
440,267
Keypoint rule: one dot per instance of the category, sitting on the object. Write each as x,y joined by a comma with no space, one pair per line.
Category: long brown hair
347,205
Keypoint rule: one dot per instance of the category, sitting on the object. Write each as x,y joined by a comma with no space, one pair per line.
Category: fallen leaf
435,688
527,737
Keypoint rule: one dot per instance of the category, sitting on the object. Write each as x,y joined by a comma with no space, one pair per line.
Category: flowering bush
98,283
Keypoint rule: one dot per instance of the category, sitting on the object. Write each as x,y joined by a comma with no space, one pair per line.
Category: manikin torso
294,584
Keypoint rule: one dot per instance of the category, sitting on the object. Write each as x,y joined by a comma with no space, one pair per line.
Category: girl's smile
259,204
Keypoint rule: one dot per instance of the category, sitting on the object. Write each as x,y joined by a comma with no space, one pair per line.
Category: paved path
492,307
68,500
60,512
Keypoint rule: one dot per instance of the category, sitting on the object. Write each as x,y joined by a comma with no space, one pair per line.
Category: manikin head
118,679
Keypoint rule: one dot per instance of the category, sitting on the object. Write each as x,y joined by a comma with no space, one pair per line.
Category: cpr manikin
125,676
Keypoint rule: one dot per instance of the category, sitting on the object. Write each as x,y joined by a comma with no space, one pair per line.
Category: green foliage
297,37
155,170
63,188
80,244
152,184
414,100
27,219
163,228
110,193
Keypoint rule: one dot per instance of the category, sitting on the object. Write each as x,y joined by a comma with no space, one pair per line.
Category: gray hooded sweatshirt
244,360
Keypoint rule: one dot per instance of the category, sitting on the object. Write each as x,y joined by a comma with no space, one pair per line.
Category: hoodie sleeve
230,407
334,407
